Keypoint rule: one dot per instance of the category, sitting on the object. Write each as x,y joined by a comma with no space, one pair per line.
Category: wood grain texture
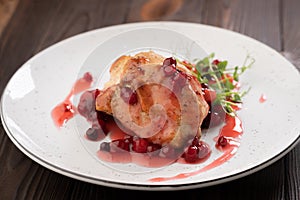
257,19
157,9
35,25
7,8
290,31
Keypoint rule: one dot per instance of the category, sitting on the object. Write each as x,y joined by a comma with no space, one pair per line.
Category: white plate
271,128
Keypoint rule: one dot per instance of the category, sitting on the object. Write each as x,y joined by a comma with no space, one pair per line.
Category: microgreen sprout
223,80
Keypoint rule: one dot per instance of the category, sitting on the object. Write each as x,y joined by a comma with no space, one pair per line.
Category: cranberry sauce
197,152
145,153
99,121
262,98
227,141
65,110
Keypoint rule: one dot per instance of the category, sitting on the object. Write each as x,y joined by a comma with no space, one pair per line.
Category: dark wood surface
29,26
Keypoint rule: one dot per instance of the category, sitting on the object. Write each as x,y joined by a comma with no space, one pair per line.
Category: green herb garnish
224,80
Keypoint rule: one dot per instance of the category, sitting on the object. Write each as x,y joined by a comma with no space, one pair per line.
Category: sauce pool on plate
65,110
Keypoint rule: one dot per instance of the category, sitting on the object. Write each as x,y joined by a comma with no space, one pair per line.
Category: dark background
29,26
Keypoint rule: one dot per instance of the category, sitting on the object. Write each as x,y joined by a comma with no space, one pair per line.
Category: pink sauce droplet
262,98
232,131
62,113
65,110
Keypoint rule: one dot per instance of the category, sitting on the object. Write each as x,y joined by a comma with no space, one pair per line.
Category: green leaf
243,69
235,74
237,98
222,65
227,95
229,86
228,108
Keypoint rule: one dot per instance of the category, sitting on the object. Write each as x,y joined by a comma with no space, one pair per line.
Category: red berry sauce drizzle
262,98
227,141
124,148
65,110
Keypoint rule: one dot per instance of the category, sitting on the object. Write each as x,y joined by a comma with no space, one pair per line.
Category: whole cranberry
195,141
170,61
92,134
204,150
216,62
222,141
86,106
191,154
139,145
105,146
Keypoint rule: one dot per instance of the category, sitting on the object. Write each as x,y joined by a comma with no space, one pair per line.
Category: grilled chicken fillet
150,103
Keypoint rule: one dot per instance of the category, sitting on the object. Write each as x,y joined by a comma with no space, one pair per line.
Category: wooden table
28,26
